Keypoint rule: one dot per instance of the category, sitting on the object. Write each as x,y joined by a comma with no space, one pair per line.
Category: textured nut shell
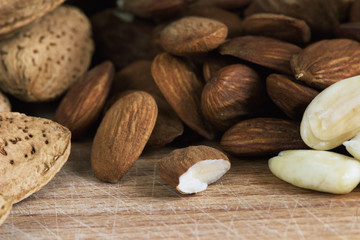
325,62
122,135
182,89
262,136
5,105
192,35
290,96
234,92
16,14
267,52
32,151
5,207
277,26
42,62
176,163
83,103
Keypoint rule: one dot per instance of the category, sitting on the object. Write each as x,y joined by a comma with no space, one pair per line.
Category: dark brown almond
327,61
290,96
122,135
82,104
236,91
264,51
182,89
230,19
192,35
349,30
354,15
261,137
277,26
214,62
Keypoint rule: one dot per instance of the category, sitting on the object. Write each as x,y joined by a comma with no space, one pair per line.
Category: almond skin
182,89
43,61
32,151
82,104
277,26
264,51
327,61
262,137
122,135
236,91
192,35
17,14
291,96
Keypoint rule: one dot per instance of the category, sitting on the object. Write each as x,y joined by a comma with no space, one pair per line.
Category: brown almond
327,61
32,151
137,76
322,15
182,89
152,8
349,30
17,14
122,135
262,137
236,91
264,51
290,96
192,35
43,61
191,169
277,26
82,104
214,62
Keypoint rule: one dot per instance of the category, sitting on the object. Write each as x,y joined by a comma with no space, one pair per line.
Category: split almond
277,26
192,35
81,105
290,96
32,151
182,89
191,169
262,136
43,61
264,51
327,61
17,14
122,135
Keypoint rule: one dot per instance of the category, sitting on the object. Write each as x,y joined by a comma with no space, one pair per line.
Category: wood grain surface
247,203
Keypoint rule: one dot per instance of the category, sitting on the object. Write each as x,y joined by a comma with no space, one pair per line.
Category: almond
191,169
122,135
17,14
41,62
236,91
214,62
225,4
277,26
264,51
5,207
327,61
291,96
349,30
261,137
137,76
82,104
354,15
182,89
32,151
192,35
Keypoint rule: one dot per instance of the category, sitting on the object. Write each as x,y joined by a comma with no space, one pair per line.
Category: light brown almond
82,104
43,61
122,135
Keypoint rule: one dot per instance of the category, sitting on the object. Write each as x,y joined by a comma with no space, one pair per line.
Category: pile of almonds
258,77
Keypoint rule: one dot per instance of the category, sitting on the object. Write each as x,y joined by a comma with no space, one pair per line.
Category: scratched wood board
247,203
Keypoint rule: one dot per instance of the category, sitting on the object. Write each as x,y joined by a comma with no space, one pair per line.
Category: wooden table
247,203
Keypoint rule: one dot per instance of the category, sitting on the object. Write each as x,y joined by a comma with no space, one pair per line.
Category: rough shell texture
16,14
122,135
5,207
192,35
32,151
82,104
42,62
325,62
